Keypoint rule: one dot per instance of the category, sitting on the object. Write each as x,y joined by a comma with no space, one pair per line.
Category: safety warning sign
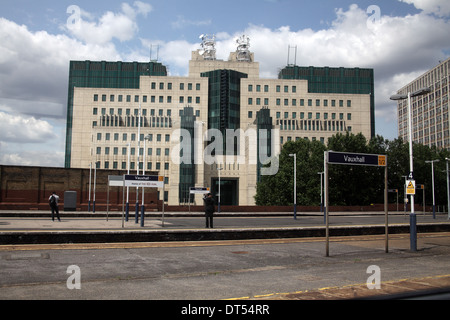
410,187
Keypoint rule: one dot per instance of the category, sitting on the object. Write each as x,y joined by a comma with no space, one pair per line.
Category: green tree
278,189
352,185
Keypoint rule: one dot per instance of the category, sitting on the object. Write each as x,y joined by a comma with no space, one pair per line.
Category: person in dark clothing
53,202
209,210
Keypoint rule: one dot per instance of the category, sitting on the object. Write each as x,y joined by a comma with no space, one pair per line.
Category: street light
432,181
321,195
147,137
136,217
90,177
95,183
218,205
127,207
295,183
448,189
412,216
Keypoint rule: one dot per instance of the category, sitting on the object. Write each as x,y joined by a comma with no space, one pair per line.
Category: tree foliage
352,185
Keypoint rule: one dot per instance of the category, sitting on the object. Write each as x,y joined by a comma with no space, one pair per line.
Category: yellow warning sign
411,187
382,161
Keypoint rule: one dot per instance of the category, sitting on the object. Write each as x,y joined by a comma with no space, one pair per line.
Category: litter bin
70,201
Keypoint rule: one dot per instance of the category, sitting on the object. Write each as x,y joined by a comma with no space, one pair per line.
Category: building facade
430,114
220,123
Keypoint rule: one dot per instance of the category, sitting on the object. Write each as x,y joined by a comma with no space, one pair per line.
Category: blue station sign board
356,159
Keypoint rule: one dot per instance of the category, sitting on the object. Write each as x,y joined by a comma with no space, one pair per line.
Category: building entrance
229,191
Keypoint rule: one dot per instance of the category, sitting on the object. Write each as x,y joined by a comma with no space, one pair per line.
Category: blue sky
401,40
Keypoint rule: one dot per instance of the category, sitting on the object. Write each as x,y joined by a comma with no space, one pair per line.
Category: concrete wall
28,188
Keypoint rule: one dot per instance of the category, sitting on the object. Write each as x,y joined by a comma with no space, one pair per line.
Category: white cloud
34,65
398,48
19,129
439,7
121,25
51,158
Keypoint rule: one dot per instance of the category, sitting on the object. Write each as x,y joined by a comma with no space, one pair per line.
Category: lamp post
321,195
127,207
90,178
147,137
95,183
412,216
136,217
448,189
432,182
295,183
218,205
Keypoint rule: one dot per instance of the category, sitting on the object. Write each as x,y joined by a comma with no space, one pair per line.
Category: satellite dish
202,36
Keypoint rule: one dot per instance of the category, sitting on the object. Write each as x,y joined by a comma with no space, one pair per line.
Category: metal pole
107,202
163,209
95,184
127,208
295,186
123,201
423,194
143,173
448,189
432,181
412,216
136,217
321,194
90,177
218,206
326,209
386,214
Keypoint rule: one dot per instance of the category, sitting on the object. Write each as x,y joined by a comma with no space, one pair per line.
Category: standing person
53,200
209,210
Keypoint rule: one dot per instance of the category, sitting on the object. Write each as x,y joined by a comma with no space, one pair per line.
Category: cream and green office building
430,114
115,108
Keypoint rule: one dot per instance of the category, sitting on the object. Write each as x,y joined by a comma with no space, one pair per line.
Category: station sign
356,159
199,190
115,181
141,181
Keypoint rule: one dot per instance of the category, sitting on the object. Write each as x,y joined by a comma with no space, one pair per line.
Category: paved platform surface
267,269
40,220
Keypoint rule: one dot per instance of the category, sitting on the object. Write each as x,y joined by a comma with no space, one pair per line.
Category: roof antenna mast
289,56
